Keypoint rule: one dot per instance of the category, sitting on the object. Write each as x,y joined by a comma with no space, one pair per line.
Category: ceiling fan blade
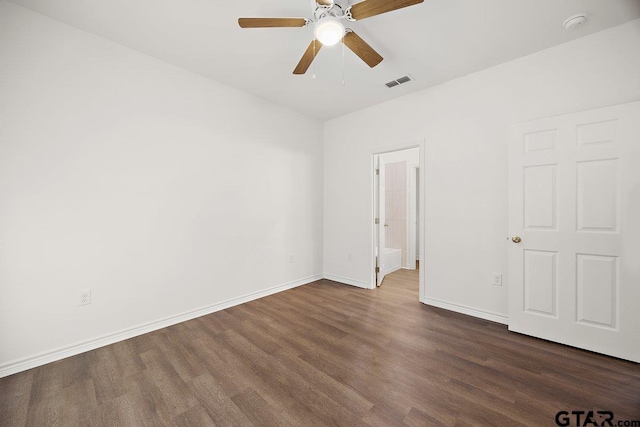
369,8
362,49
271,22
308,57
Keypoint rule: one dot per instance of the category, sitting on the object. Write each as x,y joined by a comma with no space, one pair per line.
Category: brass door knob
516,239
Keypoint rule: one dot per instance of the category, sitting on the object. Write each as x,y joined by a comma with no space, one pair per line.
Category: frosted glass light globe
329,31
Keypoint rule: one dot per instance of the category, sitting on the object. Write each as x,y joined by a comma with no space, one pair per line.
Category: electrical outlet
290,258
497,279
84,297
350,256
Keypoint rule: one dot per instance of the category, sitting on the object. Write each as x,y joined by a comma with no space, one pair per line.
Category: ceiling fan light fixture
329,31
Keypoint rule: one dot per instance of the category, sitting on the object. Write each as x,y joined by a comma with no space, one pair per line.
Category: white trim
347,281
30,362
470,311
376,253
422,250
412,192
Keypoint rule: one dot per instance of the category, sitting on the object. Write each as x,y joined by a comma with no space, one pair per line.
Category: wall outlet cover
84,297
497,279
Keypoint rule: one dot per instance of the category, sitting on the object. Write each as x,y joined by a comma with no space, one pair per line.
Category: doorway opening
398,226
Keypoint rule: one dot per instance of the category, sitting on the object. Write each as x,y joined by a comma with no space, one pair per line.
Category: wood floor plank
280,378
246,373
324,354
110,414
194,417
175,392
417,418
347,397
47,381
147,401
108,378
258,410
382,416
219,406
64,408
180,354
15,393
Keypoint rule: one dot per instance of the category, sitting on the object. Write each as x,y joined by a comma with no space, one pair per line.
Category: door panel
597,289
540,273
574,200
598,189
540,197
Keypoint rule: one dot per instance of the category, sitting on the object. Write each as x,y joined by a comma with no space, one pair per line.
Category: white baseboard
482,314
30,362
347,281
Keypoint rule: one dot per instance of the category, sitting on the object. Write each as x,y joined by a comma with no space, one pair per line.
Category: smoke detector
575,21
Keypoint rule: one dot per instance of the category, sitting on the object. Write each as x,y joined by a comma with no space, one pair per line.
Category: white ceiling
435,41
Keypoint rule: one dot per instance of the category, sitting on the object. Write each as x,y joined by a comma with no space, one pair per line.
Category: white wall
465,125
160,190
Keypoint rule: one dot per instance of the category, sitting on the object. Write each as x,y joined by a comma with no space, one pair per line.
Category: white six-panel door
574,202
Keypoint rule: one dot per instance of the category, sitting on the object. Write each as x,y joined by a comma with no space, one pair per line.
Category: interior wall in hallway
396,207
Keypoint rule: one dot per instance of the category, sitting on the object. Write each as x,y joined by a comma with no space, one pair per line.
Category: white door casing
381,221
574,200
412,217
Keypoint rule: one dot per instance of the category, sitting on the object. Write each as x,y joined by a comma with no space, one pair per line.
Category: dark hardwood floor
325,354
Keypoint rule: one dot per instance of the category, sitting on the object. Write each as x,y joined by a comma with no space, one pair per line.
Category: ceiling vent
399,81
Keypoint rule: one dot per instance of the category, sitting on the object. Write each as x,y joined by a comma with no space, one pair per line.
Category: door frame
412,175
421,145
380,227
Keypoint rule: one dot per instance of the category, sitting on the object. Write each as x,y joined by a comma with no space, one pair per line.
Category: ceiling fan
328,28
